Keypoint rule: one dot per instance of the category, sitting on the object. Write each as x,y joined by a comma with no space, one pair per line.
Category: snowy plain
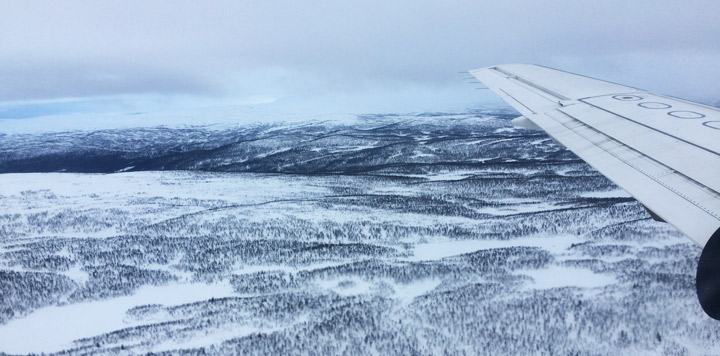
376,235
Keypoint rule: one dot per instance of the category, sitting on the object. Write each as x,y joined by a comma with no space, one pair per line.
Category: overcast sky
361,56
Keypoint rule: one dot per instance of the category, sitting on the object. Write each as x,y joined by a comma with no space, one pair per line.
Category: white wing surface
664,151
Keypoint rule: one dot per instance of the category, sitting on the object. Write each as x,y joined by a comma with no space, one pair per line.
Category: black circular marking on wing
627,97
681,114
712,124
654,105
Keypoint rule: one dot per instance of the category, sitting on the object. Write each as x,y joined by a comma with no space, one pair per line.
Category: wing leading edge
664,151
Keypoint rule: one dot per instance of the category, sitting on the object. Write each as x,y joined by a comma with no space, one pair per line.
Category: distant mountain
374,145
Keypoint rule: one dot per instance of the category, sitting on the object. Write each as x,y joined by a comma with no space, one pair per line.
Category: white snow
351,148
505,129
422,155
346,286
55,328
146,197
246,188
212,118
210,336
519,207
441,249
537,142
617,193
249,269
557,276
444,175
406,293
77,275
125,169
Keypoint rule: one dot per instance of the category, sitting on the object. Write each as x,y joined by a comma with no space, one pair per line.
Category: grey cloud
78,48
61,79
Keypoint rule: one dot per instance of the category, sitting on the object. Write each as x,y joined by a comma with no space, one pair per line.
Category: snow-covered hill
387,234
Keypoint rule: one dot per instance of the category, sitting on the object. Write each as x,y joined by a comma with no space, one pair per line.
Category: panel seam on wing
648,127
518,101
510,75
647,174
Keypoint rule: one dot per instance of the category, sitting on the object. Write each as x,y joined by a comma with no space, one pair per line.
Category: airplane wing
664,151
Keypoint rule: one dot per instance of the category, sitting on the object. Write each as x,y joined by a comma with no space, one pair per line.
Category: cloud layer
328,49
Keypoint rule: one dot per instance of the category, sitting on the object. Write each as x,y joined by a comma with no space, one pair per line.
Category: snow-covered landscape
432,233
